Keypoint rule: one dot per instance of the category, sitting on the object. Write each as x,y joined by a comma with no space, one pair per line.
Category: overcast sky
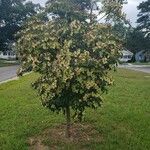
130,9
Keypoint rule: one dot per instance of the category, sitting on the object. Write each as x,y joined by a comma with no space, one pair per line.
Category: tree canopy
12,15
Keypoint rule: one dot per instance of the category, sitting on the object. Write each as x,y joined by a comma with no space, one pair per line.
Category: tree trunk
68,122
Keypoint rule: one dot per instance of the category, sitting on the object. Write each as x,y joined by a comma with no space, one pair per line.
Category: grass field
5,63
123,122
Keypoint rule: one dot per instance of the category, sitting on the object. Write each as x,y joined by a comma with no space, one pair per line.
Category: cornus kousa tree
73,53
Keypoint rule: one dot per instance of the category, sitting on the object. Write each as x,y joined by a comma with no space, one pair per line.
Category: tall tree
144,17
12,14
136,41
74,55
121,29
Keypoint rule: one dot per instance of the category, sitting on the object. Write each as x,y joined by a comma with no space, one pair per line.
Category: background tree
136,41
144,17
121,30
138,38
74,55
12,14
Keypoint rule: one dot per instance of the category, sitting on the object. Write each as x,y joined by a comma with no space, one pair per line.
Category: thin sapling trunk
68,119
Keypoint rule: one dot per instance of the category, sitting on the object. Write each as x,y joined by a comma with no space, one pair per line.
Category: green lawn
141,63
123,122
5,63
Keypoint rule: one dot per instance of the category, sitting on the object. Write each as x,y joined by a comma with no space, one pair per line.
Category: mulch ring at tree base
54,138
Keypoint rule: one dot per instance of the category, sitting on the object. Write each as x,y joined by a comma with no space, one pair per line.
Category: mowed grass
123,121
5,63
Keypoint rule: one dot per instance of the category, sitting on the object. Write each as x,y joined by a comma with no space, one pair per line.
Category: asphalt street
142,68
8,72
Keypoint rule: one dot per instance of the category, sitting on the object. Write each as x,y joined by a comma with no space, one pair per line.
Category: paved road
142,68
8,72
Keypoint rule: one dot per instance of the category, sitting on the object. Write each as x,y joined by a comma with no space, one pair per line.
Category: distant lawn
123,122
5,63
141,63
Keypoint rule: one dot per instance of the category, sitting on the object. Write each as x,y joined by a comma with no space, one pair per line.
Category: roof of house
127,52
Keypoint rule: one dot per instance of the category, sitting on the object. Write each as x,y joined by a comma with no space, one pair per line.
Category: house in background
142,56
147,56
126,56
7,55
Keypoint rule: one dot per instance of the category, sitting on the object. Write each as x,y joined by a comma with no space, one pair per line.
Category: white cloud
131,11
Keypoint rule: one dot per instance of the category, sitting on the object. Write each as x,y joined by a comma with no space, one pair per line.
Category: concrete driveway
142,68
8,72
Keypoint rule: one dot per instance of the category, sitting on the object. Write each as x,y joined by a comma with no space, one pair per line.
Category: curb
14,78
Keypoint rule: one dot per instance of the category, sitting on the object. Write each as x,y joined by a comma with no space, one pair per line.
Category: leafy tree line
73,53
144,18
138,38
14,12
12,15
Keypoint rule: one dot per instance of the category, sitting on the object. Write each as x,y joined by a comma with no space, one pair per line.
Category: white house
7,55
126,56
